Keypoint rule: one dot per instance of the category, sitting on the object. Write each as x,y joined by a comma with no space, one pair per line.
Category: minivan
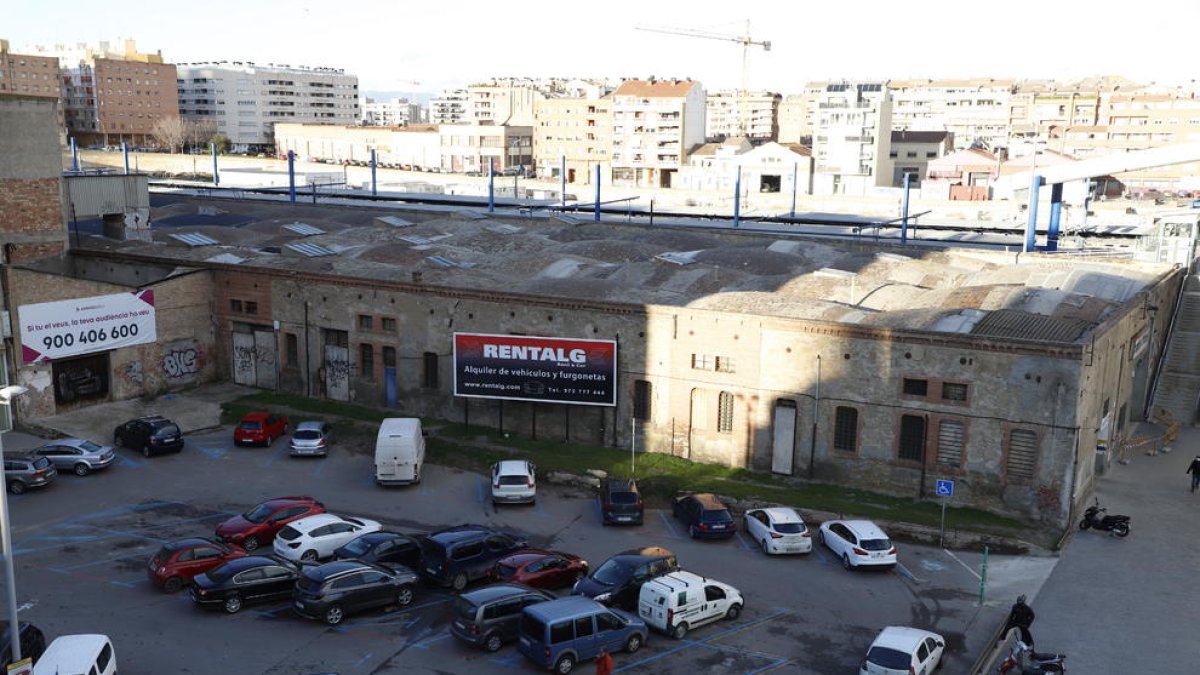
459,555
78,655
560,633
680,601
399,451
488,617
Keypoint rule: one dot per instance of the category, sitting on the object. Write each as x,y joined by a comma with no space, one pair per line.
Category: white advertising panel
53,330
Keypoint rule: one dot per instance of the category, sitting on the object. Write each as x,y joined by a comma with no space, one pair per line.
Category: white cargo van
78,655
399,451
680,601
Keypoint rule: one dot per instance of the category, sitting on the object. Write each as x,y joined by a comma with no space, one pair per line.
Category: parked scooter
1096,517
1022,660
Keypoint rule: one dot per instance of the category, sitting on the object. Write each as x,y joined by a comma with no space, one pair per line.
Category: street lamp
7,394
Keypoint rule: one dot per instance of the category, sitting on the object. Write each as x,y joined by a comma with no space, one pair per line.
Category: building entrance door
783,447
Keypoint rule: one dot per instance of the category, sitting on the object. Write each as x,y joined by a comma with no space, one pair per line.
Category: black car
152,435
31,640
619,580
488,617
331,591
457,556
378,547
621,503
706,516
257,578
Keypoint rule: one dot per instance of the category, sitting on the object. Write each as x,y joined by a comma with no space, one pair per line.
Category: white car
317,537
514,481
899,650
778,530
858,543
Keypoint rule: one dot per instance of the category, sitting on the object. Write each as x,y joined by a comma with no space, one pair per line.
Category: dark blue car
705,515
459,555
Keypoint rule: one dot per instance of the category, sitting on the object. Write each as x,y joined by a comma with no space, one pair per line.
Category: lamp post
7,394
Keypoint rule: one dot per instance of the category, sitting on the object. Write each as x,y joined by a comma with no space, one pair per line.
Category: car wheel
233,604
846,561
309,556
250,543
634,643
764,547
735,610
565,664
82,469
1085,524
173,585
118,442
821,538
492,642
16,487
404,596
459,582
334,615
692,531
679,631
146,451
1121,529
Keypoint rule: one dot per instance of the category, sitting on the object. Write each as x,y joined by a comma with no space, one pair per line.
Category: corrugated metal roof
394,221
303,229
194,239
443,261
1011,323
311,250
415,239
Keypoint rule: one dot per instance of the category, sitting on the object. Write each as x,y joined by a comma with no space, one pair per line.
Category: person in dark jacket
1194,469
1020,616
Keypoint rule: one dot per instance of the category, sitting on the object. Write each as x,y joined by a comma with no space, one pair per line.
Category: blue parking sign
945,488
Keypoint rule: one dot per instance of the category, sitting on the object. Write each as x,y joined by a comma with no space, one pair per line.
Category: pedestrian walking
604,663
1194,469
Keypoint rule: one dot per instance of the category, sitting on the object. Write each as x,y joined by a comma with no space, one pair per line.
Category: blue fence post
1035,185
216,172
737,199
795,178
491,188
904,209
562,183
1056,193
292,176
597,216
373,165
74,156
125,152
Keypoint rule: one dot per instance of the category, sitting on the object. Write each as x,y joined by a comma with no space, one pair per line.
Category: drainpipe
812,446
904,209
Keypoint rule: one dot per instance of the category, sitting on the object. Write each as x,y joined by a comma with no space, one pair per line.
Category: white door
243,359
337,373
783,447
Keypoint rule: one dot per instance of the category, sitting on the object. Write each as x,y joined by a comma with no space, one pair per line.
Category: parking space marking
513,661
742,542
479,489
648,659
126,461
960,562
211,450
599,509
424,644
69,568
129,584
823,559
537,507
775,658
903,571
363,659
320,468
709,642
671,531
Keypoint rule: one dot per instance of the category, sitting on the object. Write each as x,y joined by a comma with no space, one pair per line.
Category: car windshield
164,553
250,425
220,573
889,658
612,572
623,497
306,435
513,480
505,571
876,544
289,533
717,516
88,446
169,430
789,528
258,514
358,546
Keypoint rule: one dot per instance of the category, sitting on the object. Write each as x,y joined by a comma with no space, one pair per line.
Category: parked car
560,633
619,580
317,537
540,569
71,654
459,555
621,502
705,515
488,617
331,591
311,439
778,530
77,455
258,526
26,470
153,435
242,581
379,547
680,601
514,481
178,561
858,543
260,427
30,638
899,650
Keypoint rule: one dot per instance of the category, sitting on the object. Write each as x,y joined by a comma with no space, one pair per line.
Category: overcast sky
441,44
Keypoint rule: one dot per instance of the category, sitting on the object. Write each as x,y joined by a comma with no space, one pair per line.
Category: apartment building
752,115
28,74
575,132
476,147
798,114
975,111
503,103
449,108
246,100
397,112
656,123
911,152
412,147
852,139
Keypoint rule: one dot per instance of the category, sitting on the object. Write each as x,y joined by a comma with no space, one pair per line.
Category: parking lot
81,548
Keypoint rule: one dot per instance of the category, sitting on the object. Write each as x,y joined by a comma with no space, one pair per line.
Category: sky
431,46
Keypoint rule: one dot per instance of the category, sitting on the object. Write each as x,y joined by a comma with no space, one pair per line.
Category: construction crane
744,40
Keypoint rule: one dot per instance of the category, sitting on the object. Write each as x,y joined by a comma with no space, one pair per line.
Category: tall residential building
397,112
656,123
504,103
29,75
975,111
798,114
751,115
476,147
577,131
449,108
852,140
245,100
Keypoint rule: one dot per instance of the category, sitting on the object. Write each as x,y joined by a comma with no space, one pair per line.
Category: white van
399,451
680,601
78,655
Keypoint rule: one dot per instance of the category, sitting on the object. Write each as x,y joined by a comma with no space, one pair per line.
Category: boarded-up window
950,443
366,360
1022,454
429,378
641,399
845,429
725,413
293,349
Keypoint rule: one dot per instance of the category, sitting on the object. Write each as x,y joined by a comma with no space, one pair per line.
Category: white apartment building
449,108
852,139
656,123
476,147
397,112
798,114
577,132
501,103
753,115
975,111
245,100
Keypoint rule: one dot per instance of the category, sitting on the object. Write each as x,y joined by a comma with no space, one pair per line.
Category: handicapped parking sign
945,488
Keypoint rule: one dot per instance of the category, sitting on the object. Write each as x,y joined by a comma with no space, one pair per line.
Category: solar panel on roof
311,250
304,230
194,239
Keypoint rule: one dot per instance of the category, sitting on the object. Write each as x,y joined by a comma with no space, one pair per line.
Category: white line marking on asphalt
960,562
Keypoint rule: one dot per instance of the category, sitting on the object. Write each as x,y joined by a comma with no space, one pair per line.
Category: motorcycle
1022,660
1096,517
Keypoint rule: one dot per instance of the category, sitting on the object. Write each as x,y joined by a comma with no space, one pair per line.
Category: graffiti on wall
182,361
243,357
132,374
337,372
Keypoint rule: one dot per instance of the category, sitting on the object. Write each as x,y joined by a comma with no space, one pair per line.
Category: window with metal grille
293,349
251,307
641,399
845,429
389,357
724,364
954,391
915,387
429,377
336,338
725,413
1022,454
912,438
235,306
389,324
950,443
366,322
701,362
366,360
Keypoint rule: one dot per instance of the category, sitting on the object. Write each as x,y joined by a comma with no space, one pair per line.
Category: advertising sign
53,330
550,370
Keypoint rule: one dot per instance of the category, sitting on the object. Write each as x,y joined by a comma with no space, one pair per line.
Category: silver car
311,439
24,471
77,455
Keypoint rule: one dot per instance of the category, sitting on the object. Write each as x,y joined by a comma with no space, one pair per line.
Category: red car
260,427
178,561
540,569
257,527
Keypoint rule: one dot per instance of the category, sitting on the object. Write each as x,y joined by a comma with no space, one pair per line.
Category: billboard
53,330
549,370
